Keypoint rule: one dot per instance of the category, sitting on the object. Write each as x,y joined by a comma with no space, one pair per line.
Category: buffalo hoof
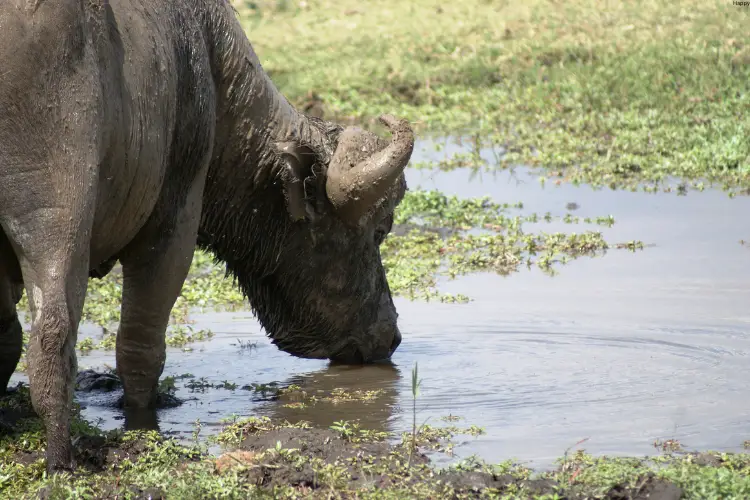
8,391
90,380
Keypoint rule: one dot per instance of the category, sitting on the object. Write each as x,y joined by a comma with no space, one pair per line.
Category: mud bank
292,457
262,457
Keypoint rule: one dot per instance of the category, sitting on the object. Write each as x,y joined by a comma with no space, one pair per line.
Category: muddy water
619,350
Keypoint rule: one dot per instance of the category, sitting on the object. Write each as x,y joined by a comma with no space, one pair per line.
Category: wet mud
271,455
93,453
368,465
95,382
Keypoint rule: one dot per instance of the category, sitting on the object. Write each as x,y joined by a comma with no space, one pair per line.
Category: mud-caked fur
134,130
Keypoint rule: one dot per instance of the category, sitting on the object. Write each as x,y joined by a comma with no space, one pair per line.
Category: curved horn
354,189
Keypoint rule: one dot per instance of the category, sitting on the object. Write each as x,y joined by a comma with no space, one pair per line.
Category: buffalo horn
354,189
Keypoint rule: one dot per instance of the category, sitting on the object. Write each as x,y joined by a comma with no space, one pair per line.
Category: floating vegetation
449,236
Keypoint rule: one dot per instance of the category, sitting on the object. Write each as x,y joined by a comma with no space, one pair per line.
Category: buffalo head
327,296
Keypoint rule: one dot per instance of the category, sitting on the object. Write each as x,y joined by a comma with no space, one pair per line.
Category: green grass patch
447,236
611,93
264,458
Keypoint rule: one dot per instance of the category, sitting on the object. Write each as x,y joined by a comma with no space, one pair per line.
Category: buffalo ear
297,161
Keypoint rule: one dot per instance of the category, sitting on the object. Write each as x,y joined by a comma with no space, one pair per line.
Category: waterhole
613,352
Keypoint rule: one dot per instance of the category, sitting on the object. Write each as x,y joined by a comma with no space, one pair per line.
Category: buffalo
139,130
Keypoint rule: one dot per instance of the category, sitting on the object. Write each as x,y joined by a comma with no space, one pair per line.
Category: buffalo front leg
51,230
56,280
153,277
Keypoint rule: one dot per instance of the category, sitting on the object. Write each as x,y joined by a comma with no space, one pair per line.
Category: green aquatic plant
450,236
182,335
415,383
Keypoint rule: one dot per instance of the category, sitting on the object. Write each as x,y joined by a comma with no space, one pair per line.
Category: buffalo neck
244,219
251,112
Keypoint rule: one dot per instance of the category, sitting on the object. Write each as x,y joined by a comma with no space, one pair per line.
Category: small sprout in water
227,385
474,430
167,385
668,445
86,344
108,341
182,335
246,344
200,384
343,428
451,418
297,405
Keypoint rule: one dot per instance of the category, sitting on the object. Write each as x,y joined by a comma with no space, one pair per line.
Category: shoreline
262,458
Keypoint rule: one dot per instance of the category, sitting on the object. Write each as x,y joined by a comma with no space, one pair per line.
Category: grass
256,463
614,93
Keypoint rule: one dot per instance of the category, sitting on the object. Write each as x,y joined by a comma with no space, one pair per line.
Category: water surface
622,349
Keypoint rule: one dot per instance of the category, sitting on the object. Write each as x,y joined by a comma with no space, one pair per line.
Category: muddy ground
277,459
380,466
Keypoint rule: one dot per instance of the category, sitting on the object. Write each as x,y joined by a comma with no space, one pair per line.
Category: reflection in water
141,419
622,349
376,414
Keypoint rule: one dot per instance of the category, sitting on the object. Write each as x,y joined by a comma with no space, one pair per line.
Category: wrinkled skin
134,130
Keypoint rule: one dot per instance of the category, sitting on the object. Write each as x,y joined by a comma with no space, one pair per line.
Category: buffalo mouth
353,355
351,350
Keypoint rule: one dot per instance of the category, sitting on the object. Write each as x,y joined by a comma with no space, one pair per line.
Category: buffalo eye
379,236
382,230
